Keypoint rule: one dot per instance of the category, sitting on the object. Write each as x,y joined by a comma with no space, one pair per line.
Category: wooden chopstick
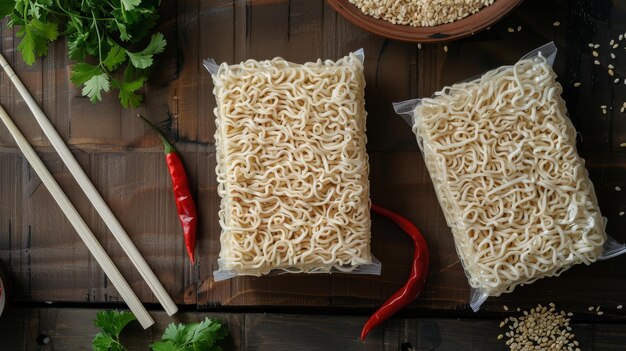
78,223
92,194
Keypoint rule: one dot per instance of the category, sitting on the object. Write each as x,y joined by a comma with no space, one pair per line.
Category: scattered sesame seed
506,308
611,73
622,110
500,337
569,314
615,46
596,62
621,214
613,56
556,23
616,80
618,188
597,308
577,84
511,30
590,308
612,42
600,313
590,45
603,106
595,46
619,307
518,309
624,80
611,66
445,48
519,28
595,53
419,45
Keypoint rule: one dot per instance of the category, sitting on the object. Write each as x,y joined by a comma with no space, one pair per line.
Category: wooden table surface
125,162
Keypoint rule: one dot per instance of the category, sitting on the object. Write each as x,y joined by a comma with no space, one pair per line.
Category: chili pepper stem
169,148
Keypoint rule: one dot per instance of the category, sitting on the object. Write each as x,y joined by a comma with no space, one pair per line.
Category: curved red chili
187,212
416,281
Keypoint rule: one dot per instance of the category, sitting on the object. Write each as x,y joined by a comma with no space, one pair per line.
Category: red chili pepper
187,213
416,281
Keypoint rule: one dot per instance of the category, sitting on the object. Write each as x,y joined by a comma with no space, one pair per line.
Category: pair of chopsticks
96,200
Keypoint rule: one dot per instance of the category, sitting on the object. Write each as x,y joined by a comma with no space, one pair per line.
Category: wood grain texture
72,329
124,159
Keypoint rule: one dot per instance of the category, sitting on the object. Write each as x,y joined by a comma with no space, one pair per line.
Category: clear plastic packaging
501,153
292,167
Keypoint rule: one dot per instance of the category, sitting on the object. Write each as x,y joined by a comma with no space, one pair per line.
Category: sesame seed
590,308
505,307
612,42
519,28
613,56
611,73
618,188
445,48
556,23
621,214
597,308
616,80
603,106
595,53
569,314
595,46
619,307
611,66
511,30
577,84
500,337
419,45
600,313
615,46
590,45
596,62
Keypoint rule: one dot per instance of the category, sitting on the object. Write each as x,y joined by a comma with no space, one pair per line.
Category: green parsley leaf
127,95
191,337
48,30
102,342
112,322
6,7
35,36
143,58
130,4
115,57
82,72
164,346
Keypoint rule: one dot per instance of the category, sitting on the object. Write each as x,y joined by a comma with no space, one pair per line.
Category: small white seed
577,84
556,23
595,53
511,30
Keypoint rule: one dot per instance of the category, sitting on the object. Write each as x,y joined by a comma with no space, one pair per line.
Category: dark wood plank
72,329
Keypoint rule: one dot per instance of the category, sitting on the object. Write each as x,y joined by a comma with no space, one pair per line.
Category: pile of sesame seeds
540,328
420,13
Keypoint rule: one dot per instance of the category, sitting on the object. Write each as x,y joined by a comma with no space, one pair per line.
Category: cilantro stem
72,14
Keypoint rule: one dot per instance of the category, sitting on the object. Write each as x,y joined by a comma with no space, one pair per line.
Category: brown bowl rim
444,32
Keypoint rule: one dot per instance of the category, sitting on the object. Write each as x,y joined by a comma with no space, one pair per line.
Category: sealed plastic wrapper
292,167
501,153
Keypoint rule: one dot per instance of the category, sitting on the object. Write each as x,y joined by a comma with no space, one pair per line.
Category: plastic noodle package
501,153
292,167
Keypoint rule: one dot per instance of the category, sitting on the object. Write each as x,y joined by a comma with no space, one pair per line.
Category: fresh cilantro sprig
111,323
201,336
103,38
